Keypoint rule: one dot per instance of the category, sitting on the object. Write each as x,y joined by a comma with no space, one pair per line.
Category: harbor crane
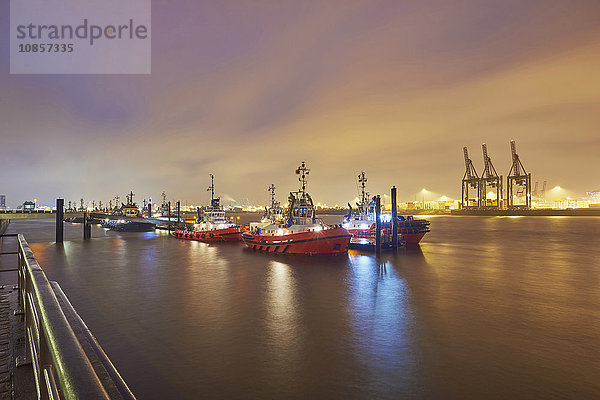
470,181
489,180
518,179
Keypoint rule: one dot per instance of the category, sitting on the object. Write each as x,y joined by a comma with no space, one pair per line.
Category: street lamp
423,192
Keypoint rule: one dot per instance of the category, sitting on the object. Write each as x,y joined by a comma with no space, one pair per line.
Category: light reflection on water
485,308
381,323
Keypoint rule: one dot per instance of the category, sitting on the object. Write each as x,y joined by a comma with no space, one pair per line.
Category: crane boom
466,157
513,149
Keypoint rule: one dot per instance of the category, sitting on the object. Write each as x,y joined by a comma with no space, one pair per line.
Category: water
487,307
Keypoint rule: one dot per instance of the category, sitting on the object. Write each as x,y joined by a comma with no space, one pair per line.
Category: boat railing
67,360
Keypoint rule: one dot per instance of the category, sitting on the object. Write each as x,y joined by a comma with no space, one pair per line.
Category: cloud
247,91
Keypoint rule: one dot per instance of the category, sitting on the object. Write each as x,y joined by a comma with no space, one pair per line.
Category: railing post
60,205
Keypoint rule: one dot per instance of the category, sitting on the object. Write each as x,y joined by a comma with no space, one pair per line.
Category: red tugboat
301,233
212,226
361,224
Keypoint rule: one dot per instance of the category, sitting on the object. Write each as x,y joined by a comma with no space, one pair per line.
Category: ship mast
364,197
271,190
303,172
211,189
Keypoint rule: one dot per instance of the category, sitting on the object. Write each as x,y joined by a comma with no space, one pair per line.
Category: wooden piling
60,216
178,212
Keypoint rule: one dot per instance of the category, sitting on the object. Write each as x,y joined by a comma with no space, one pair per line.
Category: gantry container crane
470,181
518,179
489,180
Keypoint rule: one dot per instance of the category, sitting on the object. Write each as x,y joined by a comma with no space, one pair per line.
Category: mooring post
85,224
198,212
60,216
178,212
378,224
150,208
169,212
394,220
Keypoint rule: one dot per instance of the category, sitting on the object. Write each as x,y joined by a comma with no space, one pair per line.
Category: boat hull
233,234
129,226
413,238
412,231
328,241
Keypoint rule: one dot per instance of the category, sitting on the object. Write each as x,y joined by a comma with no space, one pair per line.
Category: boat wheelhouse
130,209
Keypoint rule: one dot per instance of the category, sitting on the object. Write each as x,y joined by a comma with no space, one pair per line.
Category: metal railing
25,211
67,361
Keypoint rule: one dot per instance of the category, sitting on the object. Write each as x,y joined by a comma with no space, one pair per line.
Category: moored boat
362,222
273,213
301,232
121,225
212,225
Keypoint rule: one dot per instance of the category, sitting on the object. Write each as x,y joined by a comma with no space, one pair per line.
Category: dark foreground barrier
68,362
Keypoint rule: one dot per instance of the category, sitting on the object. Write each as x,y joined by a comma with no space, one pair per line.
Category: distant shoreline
584,212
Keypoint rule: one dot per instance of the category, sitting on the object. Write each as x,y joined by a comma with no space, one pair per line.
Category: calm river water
486,308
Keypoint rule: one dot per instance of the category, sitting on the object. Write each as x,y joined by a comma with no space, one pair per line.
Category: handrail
110,369
21,211
62,367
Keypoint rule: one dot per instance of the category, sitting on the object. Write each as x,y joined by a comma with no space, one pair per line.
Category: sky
247,89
